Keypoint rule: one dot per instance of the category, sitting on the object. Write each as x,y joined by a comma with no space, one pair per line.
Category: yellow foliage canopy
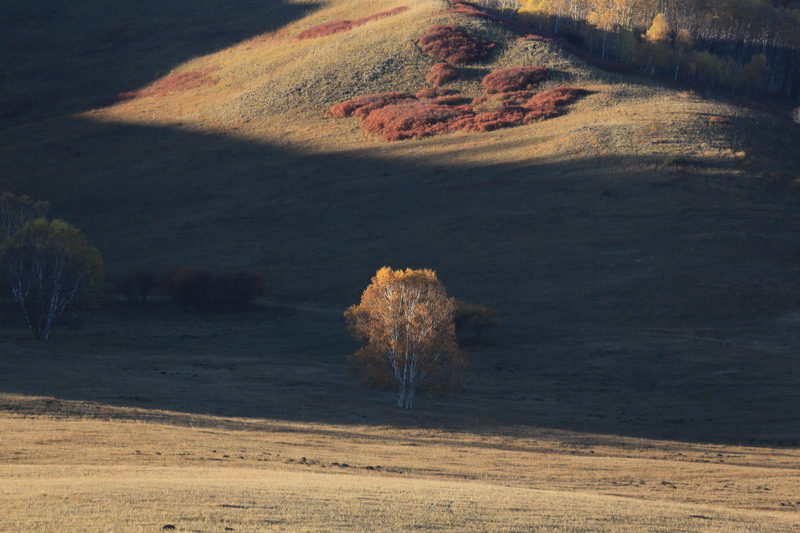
406,319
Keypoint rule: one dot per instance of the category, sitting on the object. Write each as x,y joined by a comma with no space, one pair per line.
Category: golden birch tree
407,323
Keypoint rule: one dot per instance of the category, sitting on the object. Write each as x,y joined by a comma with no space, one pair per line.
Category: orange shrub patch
497,119
360,106
414,119
397,116
440,73
514,79
454,45
466,8
546,103
339,26
177,82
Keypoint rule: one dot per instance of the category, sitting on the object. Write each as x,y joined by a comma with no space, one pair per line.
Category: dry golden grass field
641,250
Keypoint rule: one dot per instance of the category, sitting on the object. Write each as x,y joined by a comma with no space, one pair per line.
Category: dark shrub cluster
198,288
339,26
138,286
514,79
474,323
455,45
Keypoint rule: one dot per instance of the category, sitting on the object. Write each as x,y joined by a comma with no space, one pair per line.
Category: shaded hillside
640,245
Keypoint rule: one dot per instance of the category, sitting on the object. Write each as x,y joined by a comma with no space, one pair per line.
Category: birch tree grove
406,320
48,264
720,44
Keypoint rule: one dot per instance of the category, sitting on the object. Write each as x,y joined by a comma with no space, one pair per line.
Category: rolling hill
639,247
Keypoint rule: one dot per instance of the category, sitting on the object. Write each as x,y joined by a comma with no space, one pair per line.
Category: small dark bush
138,286
191,287
200,289
474,323
234,290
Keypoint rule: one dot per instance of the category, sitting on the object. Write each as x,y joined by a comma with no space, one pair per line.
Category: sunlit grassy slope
640,250
142,470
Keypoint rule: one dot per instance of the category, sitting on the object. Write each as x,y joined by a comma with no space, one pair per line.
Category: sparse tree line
411,329
750,46
47,267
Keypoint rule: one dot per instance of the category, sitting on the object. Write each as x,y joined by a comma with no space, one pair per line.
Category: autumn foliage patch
440,73
177,82
397,116
514,79
454,45
339,26
361,106
414,119
546,103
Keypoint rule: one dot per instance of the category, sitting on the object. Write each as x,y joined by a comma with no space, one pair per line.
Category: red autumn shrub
465,8
339,26
440,73
496,119
397,116
177,82
716,119
360,106
414,120
454,45
487,102
545,103
514,79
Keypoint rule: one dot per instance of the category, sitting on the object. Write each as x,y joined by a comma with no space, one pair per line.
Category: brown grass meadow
640,248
